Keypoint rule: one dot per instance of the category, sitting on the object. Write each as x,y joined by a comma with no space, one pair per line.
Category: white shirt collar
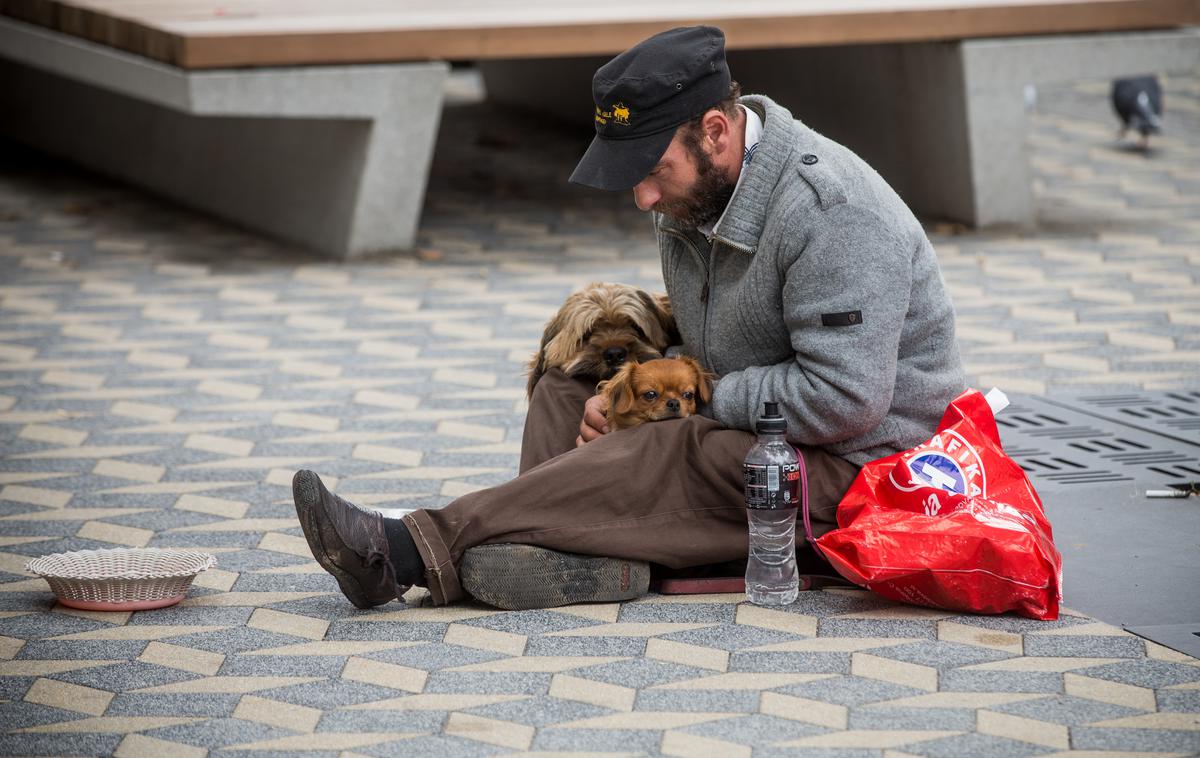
754,130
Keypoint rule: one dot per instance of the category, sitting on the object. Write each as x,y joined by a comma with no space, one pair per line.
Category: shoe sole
520,577
306,490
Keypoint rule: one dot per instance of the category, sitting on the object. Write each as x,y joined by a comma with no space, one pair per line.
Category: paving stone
21,715
978,744
486,682
126,676
882,716
386,631
15,687
332,607
974,680
529,622
329,695
676,613
217,733
1132,740
639,673
434,657
646,742
1086,646
822,663
755,730
82,649
618,646
850,690
211,705
832,603
282,665
730,637
435,746
61,744
843,627
1180,701
783,752
1144,673
712,701
539,711
375,721
184,616
942,655
1066,710
40,626
235,640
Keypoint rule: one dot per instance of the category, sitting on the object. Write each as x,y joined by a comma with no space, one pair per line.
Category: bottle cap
771,422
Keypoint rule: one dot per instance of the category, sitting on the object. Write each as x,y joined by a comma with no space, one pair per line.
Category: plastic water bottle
772,477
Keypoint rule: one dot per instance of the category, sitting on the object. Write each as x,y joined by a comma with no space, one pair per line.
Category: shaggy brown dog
655,391
599,328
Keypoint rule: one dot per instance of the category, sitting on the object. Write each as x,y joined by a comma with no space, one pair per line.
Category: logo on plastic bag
947,462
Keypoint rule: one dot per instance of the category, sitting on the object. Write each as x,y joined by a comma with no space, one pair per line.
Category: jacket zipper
704,293
735,246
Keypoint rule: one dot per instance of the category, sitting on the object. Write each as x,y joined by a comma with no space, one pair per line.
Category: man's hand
594,423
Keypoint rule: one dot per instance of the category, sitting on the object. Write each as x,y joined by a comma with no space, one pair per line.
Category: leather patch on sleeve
849,318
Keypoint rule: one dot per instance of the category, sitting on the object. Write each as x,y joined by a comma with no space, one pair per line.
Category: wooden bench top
205,34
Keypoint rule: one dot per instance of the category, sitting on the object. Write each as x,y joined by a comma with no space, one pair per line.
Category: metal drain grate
1175,414
1129,559
1084,442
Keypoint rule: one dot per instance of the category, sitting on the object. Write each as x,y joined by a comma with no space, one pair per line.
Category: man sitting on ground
795,275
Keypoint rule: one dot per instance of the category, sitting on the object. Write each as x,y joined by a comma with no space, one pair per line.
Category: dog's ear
619,389
564,337
704,380
667,316
657,322
537,364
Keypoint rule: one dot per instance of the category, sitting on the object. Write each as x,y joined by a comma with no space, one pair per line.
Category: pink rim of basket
121,579
128,605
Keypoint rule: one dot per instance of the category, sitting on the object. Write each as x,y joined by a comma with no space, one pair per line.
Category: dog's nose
614,356
673,404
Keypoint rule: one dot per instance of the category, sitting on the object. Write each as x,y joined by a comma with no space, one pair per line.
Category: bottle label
772,486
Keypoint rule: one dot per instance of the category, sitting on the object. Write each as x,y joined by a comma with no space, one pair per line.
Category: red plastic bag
953,523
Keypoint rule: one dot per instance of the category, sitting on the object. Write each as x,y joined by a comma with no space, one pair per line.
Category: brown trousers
668,492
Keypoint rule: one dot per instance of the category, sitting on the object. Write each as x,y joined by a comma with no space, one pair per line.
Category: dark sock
402,552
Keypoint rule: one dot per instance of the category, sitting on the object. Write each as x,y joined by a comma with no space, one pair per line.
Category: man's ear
719,129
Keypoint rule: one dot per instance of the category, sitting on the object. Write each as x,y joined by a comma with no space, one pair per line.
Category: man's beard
708,197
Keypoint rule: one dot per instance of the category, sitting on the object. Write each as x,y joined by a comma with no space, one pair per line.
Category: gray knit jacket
819,290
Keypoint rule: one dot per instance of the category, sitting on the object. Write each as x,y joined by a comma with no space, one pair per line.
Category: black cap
771,422
643,95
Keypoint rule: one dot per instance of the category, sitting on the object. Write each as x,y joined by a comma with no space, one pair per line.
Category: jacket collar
746,214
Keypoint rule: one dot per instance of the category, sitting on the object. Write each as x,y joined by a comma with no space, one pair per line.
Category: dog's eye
649,395
688,395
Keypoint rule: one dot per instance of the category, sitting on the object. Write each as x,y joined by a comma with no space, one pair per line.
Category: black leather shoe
348,541
519,577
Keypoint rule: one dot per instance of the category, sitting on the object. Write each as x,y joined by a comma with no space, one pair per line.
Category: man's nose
645,196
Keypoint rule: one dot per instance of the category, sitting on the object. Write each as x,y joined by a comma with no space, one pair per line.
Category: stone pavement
162,375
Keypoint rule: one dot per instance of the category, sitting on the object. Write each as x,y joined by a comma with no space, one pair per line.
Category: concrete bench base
943,122
333,158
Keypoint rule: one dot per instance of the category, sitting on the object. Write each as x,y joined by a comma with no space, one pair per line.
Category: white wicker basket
122,579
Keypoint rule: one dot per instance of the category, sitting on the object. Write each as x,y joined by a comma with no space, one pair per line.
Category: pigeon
1138,102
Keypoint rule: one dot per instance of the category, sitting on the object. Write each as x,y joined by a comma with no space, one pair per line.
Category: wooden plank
199,35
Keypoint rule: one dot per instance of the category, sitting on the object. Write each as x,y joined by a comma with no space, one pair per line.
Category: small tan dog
600,327
655,390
